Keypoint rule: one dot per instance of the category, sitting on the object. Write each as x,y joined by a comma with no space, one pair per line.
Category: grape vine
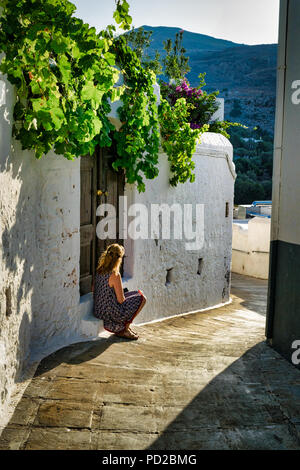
65,76
63,73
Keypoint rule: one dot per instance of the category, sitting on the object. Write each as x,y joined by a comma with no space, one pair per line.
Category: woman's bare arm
115,281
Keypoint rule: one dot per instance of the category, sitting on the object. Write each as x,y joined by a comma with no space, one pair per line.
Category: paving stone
25,411
127,418
63,413
58,439
206,439
38,387
13,438
128,393
73,390
104,373
263,438
102,440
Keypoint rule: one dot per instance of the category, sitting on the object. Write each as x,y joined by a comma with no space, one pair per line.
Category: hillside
191,41
244,75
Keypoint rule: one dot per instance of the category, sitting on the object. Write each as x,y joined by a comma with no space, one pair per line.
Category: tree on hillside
139,40
175,61
236,109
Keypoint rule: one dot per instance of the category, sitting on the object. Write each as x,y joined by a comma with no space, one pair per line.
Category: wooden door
100,184
88,191
111,184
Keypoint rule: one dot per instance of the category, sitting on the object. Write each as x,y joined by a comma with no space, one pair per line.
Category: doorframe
112,185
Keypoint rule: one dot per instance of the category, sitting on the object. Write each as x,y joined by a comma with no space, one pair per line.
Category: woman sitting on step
116,309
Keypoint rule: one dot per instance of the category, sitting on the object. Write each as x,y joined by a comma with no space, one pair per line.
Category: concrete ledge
216,145
90,326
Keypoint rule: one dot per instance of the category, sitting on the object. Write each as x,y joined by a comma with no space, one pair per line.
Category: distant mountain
193,42
245,75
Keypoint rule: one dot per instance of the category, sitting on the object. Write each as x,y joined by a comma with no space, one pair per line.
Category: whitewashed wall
187,290
251,247
39,254
16,215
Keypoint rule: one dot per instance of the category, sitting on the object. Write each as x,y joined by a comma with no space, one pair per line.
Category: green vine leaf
65,69
92,93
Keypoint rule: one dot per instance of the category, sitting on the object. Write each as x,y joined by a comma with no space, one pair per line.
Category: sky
242,21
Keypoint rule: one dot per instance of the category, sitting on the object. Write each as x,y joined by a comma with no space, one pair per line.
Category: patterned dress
115,316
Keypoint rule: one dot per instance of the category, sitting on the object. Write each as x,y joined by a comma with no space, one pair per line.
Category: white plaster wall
266,210
39,254
250,247
188,290
15,216
286,166
219,114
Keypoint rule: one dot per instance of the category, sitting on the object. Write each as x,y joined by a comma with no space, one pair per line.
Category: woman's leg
144,300
127,332
140,307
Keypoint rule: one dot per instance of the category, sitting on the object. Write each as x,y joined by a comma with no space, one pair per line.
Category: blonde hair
111,259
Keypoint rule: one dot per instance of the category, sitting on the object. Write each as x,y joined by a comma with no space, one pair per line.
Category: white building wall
251,246
283,320
16,255
187,290
39,254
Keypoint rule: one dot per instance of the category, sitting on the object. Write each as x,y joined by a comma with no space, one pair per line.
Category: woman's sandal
128,334
132,331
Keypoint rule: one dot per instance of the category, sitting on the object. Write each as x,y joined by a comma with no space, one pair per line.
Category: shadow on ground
253,293
247,406
77,353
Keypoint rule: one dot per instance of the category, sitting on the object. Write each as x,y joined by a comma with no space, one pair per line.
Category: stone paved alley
201,381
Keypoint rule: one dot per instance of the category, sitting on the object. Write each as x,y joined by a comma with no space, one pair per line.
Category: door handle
100,192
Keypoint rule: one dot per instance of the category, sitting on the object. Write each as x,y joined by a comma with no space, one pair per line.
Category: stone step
90,327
